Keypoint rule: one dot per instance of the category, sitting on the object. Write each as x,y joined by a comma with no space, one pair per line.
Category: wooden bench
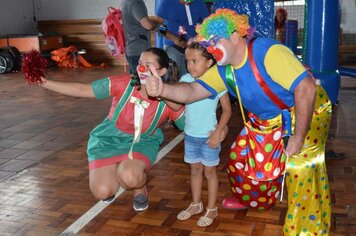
84,34
346,49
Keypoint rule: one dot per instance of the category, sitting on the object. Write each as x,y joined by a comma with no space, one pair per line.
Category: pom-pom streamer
34,67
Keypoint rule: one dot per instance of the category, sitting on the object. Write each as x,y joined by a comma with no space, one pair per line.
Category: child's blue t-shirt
200,116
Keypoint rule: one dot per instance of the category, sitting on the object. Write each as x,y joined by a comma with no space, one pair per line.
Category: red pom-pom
34,67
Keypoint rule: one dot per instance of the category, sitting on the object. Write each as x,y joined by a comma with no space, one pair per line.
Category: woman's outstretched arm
74,89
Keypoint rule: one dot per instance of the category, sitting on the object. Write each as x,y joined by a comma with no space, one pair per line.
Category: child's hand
224,133
214,139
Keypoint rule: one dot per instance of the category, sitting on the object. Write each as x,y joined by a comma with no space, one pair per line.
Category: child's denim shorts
196,150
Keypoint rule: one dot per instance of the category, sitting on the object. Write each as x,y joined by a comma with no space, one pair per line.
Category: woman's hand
44,80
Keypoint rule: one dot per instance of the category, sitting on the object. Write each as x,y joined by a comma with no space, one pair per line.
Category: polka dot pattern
262,152
309,210
257,167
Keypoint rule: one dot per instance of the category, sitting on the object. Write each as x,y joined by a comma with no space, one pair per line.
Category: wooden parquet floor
44,175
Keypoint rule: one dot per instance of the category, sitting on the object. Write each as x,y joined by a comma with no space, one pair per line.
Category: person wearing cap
228,36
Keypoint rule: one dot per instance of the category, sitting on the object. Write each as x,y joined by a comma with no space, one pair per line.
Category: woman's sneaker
140,201
110,199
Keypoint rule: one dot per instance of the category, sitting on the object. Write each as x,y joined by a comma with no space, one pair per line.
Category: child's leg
196,179
211,210
212,178
102,181
196,176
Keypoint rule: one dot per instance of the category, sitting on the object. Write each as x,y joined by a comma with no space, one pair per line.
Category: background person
180,17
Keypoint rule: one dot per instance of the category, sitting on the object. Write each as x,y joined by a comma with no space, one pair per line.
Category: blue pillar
322,43
159,38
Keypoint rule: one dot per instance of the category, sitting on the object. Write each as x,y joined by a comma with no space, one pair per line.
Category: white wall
78,9
348,16
16,16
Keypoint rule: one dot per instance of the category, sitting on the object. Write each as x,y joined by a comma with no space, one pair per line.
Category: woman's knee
102,190
102,182
131,178
131,173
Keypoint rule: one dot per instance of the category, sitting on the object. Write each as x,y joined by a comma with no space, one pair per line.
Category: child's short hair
203,50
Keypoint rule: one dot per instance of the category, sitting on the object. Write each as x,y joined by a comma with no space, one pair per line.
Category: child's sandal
185,214
208,218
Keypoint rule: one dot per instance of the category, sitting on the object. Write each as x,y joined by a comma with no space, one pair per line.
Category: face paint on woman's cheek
221,55
143,76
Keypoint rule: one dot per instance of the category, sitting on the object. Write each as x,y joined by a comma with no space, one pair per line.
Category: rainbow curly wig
223,23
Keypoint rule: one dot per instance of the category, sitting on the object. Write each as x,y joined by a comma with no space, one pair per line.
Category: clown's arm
69,88
304,98
179,92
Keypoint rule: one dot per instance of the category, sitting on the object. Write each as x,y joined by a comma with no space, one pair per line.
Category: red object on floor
231,203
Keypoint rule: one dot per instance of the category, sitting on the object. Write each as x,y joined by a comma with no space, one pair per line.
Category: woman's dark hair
164,61
172,74
204,52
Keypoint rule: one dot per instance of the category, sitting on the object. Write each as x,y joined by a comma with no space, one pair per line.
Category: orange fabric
69,58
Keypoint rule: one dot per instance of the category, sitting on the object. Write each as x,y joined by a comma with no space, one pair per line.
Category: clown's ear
234,36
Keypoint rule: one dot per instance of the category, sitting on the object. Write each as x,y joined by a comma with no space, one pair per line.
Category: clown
265,76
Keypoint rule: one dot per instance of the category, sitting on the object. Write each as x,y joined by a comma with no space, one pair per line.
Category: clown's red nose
141,68
216,52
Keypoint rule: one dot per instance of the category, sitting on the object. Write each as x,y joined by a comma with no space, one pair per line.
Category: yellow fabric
213,79
280,65
306,179
279,62
244,60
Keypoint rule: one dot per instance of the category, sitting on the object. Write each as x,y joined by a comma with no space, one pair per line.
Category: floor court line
82,221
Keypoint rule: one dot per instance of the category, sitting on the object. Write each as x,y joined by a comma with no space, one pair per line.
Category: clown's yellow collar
242,63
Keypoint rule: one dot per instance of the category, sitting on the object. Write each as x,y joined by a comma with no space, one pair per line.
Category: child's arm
216,137
69,88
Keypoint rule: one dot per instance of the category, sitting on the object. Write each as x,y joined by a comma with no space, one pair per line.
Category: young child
124,146
202,137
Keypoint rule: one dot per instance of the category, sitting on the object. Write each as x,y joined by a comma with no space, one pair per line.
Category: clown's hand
154,83
295,144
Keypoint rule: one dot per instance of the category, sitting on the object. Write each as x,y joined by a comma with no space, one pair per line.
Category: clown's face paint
143,73
216,49
143,76
220,54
